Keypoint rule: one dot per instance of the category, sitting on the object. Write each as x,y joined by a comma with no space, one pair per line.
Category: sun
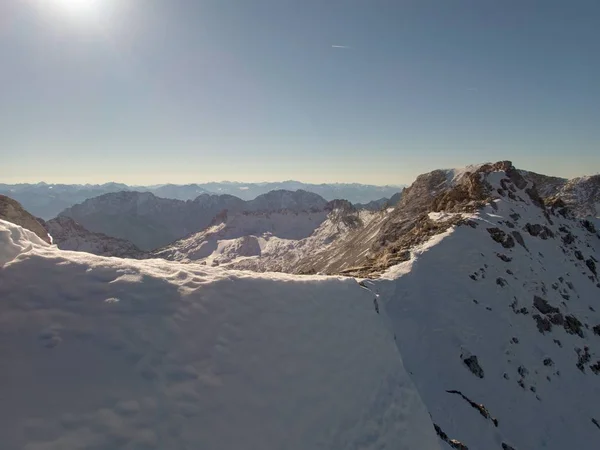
82,8
77,6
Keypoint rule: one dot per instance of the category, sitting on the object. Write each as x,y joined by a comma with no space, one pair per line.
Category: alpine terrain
69,235
465,315
46,200
150,222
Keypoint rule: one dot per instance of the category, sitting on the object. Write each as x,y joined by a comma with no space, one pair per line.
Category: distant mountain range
48,200
150,222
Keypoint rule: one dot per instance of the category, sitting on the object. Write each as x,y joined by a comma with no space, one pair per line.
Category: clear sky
373,91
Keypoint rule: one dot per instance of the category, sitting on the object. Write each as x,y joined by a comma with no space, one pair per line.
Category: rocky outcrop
12,211
581,195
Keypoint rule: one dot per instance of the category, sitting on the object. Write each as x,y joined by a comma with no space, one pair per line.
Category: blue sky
182,91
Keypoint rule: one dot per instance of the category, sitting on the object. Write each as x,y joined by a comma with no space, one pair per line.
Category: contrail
341,46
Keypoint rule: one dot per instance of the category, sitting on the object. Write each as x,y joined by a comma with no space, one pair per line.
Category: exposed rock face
581,195
434,203
12,211
501,237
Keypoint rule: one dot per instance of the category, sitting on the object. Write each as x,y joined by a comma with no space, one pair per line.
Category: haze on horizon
152,92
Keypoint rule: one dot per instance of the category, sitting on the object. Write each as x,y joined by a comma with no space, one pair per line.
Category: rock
473,364
504,257
578,255
568,239
505,446
519,239
451,442
583,357
501,237
573,326
501,282
548,362
588,226
539,230
596,368
543,324
515,216
596,330
478,406
557,319
591,265
543,306
595,422
522,371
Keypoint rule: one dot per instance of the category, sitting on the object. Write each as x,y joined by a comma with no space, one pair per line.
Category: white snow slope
277,241
456,298
229,240
105,353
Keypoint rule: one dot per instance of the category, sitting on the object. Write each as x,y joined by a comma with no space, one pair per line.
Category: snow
108,353
264,241
453,176
438,313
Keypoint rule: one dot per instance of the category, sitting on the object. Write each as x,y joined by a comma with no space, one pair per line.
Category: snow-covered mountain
581,194
12,211
150,222
48,200
489,293
146,220
70,235
277,238
115,354
497,318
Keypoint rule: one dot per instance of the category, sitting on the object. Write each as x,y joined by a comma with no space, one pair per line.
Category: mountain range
150,222
48,200
464,316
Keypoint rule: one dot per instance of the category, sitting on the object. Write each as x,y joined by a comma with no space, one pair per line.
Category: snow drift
106,353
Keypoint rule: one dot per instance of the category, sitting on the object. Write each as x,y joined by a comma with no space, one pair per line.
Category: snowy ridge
277,241
238,230
114,354
498,321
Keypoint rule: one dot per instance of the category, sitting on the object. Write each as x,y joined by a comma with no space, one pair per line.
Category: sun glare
78,8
